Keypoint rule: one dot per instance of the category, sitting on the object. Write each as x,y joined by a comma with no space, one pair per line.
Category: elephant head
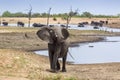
53,34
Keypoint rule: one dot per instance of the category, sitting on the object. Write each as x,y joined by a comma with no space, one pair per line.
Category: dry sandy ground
22,65
26,38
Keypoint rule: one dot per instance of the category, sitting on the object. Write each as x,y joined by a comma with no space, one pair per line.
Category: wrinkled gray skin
57,45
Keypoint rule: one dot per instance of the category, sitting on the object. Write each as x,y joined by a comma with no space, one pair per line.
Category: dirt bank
22,65
30,41
26,38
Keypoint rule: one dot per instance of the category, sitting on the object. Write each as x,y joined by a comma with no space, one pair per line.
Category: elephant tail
71,55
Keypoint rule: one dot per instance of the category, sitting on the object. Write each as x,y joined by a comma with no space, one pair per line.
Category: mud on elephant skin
57,45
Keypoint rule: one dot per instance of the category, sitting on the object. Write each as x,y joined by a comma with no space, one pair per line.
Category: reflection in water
100,52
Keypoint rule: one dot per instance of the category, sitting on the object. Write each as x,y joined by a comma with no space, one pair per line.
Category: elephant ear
65,33
44,35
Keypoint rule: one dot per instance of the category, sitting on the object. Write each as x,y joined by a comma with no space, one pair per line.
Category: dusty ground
22,65
26,38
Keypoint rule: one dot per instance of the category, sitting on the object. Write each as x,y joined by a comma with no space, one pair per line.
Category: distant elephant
20,24
81,25
38,25
5,23
57,45
93,23
103,22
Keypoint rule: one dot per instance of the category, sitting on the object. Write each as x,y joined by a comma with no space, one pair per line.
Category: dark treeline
62,15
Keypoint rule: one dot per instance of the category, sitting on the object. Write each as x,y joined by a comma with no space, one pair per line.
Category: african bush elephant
20,24
93,23
5,23
38,25
57,45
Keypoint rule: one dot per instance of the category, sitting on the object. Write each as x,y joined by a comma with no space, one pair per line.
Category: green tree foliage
36,15
64,16
44,14
87,14
68,16
18,14
118,15
6,14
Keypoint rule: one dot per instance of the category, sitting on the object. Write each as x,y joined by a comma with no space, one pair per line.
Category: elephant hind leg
58,65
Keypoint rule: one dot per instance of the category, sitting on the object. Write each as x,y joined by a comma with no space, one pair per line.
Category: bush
55,19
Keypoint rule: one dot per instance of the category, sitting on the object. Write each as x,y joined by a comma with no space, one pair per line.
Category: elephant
62,25
103,22
20,24
81,25
57,45
5,23
38,25
93,23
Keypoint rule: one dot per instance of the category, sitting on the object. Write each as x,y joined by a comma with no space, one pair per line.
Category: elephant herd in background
21,24
96,24
18,24
93,23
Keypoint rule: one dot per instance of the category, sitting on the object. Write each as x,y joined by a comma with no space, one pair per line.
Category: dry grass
17,64
17,29
90,33
26,38
22,65
59,20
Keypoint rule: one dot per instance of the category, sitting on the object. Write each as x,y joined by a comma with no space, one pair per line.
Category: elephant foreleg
51,60
51,53
55,63
63,65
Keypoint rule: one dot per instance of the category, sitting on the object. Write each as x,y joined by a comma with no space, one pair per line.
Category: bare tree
48,16
70,15
0,20
29,15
